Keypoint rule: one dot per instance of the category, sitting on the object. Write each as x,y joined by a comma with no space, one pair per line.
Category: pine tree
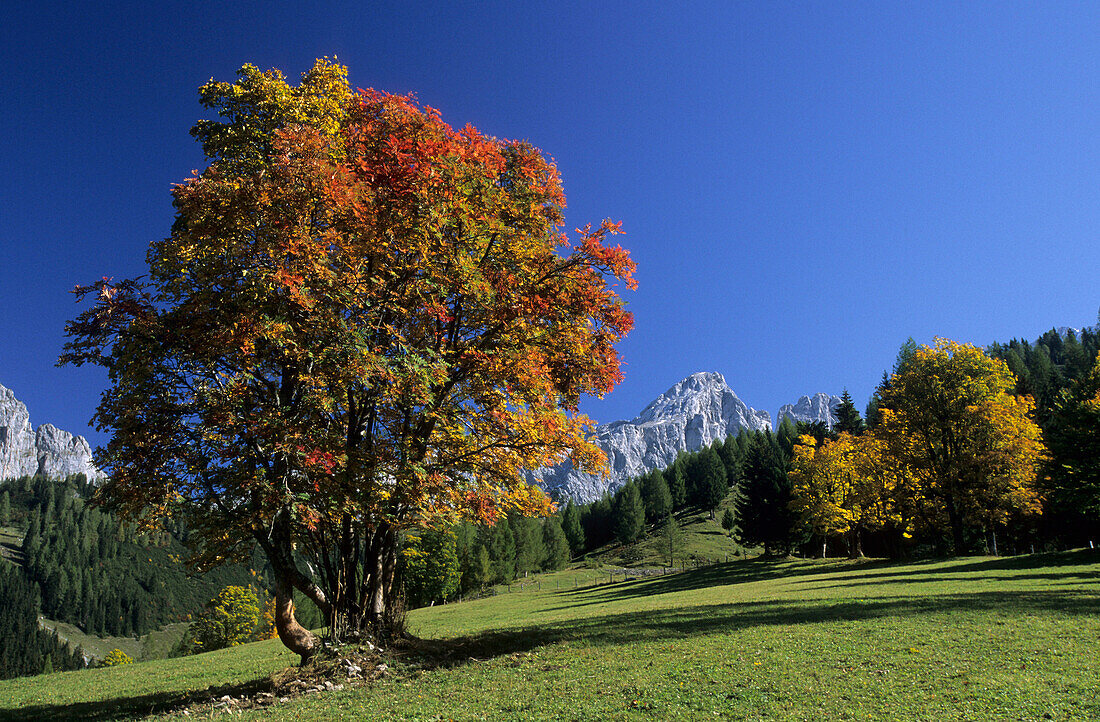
5,508
847,416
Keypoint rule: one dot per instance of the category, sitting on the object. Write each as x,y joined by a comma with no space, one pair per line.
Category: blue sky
803,185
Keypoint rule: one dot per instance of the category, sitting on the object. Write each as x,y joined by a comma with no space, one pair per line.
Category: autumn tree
840,487
230,619
363,321
116,657
970,446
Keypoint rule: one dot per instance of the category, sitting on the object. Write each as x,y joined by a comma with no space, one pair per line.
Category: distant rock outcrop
819,407
690,415
46,450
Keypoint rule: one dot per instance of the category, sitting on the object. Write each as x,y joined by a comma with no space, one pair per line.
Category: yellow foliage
969,450
116,657
843,485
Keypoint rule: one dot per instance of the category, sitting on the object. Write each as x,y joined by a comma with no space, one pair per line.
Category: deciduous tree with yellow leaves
970,448
362,321
841,487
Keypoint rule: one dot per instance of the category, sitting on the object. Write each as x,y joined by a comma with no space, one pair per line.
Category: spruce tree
728,521
707,475
530,551
848,420
730,453
765,515
672,539
598,523
502,552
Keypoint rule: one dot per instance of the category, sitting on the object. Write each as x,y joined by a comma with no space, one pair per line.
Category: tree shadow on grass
843,573
736,572
656,626
125,708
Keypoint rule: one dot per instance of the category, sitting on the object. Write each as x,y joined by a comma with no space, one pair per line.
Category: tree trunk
855,545
382,609
277,547
297,638
824,546
956,527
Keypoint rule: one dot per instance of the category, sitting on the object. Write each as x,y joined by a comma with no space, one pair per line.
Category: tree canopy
362,321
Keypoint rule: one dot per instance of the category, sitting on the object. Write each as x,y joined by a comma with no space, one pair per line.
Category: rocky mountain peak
47,450
812,409
693,413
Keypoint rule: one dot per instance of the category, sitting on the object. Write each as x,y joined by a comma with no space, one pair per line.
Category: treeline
1047,368
27,648
439,564
967,450
102,576
1061,372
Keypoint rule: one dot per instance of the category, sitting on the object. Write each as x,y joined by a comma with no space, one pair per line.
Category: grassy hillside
156,644
703,538
973,639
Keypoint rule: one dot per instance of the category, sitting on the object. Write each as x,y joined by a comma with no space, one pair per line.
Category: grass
964,639
136,690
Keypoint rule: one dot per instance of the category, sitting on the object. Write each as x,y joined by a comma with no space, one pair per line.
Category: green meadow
982,638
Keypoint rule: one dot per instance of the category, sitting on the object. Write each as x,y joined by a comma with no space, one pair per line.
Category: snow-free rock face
819,407
48,450
17,450
690,415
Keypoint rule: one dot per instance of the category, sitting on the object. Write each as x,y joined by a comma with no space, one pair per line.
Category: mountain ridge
46,450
